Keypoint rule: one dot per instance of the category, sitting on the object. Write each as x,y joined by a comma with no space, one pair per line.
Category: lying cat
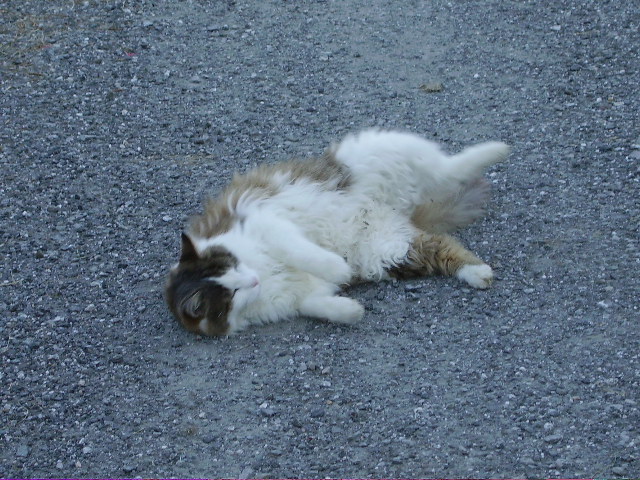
281,240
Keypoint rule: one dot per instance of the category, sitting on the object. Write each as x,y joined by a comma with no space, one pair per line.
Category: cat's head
208,289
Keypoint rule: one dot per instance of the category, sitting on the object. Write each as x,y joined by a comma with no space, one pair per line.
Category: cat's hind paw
478,276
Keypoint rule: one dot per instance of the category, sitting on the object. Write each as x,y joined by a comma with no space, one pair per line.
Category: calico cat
282,239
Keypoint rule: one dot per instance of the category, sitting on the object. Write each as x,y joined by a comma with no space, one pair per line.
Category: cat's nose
254,282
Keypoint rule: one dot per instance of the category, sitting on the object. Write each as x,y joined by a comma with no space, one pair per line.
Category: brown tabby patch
219,215
433,255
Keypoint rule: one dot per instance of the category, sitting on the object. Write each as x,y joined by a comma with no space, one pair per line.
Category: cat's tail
455,211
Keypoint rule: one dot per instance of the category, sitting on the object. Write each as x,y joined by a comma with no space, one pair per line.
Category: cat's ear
189,252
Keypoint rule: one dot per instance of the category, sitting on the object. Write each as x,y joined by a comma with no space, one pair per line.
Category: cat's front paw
343,310
335,269
335,309
478,276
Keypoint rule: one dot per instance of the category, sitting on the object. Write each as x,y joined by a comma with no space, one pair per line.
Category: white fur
335,309
403,170
241,277
478,276
307,240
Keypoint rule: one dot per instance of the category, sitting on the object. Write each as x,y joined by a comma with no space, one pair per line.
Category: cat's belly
371,238
370,235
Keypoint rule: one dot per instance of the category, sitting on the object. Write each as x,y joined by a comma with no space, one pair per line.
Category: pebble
22,451
246,472
432,87
413,287
267,412
555,438
317,413
208,438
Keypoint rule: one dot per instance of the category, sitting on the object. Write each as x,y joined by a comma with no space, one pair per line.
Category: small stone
128,468
246,472
317,413
208,438
618,470
552,438
22,451
86,450
413,287
267,412
166,218
432,87
59,465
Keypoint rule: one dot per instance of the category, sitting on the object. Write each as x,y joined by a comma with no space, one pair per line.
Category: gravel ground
118,116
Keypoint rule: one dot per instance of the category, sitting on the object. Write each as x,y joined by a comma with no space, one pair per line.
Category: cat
282,240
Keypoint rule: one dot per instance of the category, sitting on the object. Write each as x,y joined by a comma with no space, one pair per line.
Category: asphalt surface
117,118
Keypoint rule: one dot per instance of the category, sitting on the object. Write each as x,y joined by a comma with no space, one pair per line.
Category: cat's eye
234,292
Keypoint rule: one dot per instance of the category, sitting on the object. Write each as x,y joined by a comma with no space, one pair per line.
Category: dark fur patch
192,295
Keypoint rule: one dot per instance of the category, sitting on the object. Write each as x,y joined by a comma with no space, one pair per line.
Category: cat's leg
443,255
385,163
333,308
289,245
